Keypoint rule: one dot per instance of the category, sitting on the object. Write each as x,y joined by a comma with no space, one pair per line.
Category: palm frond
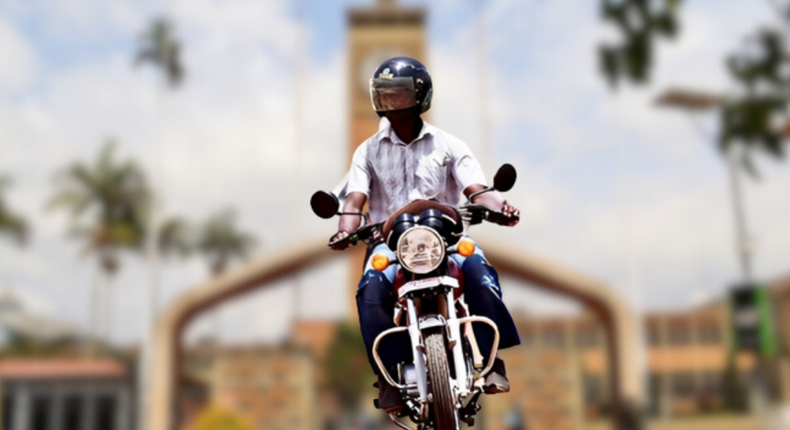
220,241
12,224
160,48
109,200
175,238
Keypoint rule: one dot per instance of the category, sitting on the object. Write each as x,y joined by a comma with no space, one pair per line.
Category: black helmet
400,83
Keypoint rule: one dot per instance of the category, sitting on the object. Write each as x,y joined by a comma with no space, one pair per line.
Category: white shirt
391,173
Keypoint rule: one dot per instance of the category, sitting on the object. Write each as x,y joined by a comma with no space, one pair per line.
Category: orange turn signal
380,262
466,247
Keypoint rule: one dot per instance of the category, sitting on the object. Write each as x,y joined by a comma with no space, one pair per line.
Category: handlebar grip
496,217
350,239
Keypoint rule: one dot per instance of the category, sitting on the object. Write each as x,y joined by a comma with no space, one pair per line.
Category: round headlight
420,250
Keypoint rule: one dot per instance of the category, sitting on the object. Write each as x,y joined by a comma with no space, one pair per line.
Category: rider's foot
496,380
390,399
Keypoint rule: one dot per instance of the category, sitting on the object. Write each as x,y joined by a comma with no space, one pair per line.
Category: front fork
462,386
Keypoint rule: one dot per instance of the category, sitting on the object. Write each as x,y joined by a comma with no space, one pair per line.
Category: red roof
60,368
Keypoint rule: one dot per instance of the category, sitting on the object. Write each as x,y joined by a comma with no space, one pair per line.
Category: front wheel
444,413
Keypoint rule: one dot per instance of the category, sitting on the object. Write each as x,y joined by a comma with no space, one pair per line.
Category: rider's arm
354,204
470,175
349,223
358,189
494,201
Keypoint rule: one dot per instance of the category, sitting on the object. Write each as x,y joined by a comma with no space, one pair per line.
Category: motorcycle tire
445,415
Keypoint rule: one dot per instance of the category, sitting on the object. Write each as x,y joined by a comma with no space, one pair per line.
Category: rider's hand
512,213
339,246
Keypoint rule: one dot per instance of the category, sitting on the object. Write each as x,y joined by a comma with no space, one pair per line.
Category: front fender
430,322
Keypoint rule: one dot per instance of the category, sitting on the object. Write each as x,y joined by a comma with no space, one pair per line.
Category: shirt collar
388,134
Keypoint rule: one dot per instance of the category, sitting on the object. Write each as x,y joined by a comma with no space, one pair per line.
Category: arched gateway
616,317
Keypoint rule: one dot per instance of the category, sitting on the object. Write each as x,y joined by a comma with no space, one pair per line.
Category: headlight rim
433,231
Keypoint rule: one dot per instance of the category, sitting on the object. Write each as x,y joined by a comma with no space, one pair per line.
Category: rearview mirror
324,204
505,178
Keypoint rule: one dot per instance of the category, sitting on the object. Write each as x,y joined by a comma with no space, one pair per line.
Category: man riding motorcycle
409,159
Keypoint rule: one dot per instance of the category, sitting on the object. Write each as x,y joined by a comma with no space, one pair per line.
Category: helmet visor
392,94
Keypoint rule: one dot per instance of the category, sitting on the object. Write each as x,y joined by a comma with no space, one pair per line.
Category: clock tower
375,34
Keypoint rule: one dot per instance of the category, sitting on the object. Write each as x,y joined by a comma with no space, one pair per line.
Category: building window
683,384
711,382
8,410
72,413
710,334
654,336
527,338
40,413
554,338
105,412
679,334
594,393
588,338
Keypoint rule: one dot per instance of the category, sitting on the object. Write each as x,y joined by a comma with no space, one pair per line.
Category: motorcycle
447,367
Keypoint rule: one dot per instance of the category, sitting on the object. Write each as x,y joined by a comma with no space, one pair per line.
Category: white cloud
609,183
226,138
17,58
588,164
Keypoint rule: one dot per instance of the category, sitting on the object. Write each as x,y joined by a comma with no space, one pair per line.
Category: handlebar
361,234
477,213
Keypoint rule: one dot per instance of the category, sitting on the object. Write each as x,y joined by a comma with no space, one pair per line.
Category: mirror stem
365,216
477,193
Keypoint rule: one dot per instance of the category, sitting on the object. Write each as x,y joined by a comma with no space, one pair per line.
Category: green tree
346,366
755,114
11,223
640,23
108,201
220,241
160,48
174,238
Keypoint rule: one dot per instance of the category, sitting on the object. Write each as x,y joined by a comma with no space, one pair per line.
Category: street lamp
693,101
750,310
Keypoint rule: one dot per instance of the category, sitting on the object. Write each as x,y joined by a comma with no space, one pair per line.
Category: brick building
271,386
560,376
65,394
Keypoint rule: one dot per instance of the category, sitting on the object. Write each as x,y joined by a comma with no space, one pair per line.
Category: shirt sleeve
466,168
359,174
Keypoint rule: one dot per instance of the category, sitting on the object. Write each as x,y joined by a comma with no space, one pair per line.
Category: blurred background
148,147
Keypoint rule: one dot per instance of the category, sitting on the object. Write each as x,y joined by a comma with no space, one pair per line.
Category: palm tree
108,202
220,241
160,48
11,224
174,238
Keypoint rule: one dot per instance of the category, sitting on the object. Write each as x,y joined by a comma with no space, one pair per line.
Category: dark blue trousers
376,305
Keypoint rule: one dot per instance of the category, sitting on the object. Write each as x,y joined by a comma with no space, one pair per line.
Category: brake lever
478,213
352,240
363,233
474,213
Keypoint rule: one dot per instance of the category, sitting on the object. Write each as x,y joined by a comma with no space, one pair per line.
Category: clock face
371,62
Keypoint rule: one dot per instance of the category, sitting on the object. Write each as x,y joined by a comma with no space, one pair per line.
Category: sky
609,184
